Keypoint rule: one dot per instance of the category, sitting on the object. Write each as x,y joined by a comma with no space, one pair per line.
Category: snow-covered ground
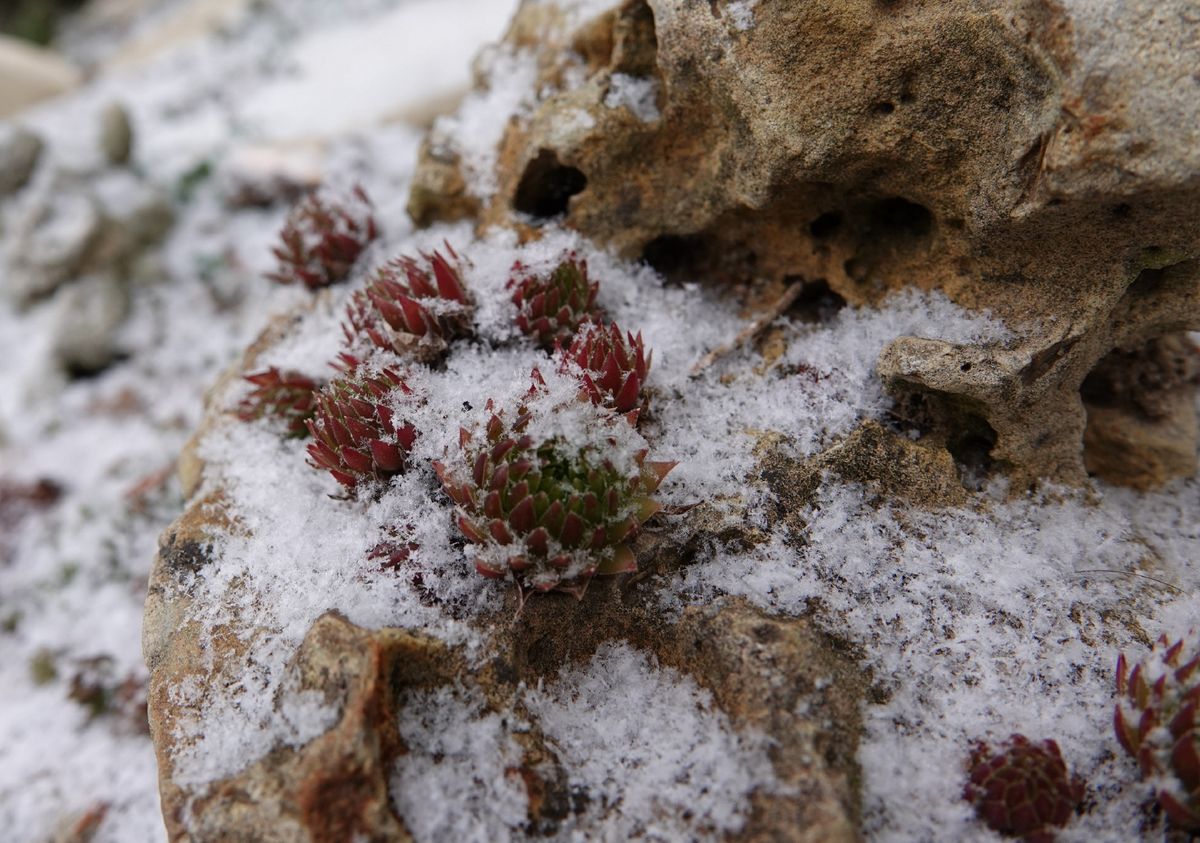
1002,617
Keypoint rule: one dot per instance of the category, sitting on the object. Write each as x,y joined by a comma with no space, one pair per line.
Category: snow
388,73
651,749
1002,616
741,12
459,780
638,94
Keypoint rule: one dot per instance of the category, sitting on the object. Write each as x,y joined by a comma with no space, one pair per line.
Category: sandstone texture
1036,159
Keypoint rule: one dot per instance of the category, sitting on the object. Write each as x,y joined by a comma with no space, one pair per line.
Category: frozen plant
356,434
411,309
1022,789
550,308
548,509
284,395
1156,723
611,365
323,238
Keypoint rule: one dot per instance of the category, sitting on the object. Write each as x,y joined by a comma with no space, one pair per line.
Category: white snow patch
475,130
658,759
458,780
364,71
741,12
637,93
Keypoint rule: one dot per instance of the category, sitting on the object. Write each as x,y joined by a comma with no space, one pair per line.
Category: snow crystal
658,759
741,12
457,781
979,624
638,94
475,130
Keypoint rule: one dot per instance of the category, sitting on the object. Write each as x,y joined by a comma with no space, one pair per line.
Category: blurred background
149,150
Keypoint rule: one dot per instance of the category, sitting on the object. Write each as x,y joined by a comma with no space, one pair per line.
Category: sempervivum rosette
552,495
551,307
357,436
284,395
1022,789
611,365
412,309
1156,723
323,238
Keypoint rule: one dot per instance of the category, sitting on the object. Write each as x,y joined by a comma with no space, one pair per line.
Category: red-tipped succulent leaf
552,306
1156,722
1022,789
356,434
323,238
412,307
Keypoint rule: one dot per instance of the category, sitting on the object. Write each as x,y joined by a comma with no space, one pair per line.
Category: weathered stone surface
29,75
1038,159
116,135
20,150
1141,419
88,315
781,677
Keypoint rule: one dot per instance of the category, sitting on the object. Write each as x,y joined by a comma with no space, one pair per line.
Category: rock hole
883,108
547,185
899,217
855,270
826,225
1140,402
816,302
971,448
671,253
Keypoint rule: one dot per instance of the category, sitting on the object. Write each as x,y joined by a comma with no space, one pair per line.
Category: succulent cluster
550,511
1157,723
410,309
284,395
323,238
1022,789
356,435
612,366
550,308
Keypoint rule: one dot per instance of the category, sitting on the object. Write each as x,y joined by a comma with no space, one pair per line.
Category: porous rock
783,678
1039,160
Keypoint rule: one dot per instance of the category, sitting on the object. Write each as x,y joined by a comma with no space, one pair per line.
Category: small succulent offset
285,395
323,238
1157,723
611,366
1022,789
550,308
549,511
356,436
410,309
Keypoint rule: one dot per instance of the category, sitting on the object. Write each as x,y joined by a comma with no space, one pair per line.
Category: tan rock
1034,159
29,75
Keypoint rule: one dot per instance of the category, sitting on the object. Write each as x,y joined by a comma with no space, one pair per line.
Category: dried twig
753,329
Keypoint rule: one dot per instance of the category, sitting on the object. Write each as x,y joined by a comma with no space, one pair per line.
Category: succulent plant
1157,723
323,238
611,366
356,434
285,395
410,309
551,512
550,308
1022,789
